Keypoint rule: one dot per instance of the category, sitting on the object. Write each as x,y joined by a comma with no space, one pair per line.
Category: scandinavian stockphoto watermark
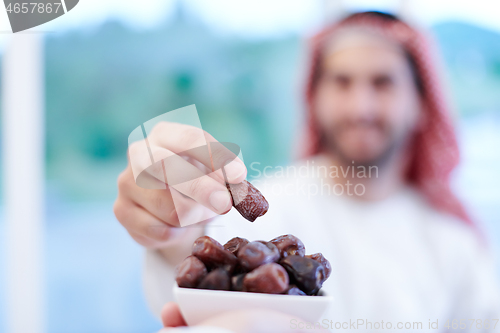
310,179
26,14
173,152
355,324
365,324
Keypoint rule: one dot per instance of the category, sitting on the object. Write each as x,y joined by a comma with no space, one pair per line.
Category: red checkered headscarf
435,151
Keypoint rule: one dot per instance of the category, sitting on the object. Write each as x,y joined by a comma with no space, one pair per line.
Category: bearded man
403,249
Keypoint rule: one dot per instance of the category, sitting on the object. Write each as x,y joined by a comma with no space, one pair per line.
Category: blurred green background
100,86
103,83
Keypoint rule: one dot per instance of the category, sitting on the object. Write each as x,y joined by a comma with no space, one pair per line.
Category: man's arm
478,293
159,267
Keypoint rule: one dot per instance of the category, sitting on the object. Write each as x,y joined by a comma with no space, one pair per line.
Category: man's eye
382,82
340,81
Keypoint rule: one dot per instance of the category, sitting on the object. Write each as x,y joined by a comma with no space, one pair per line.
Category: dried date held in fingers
213,255
269,278
218,279
322,260
306,273
247,200
257,253
190,272
234,244
289,245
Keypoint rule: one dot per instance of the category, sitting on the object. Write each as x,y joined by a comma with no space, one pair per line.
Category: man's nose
361,101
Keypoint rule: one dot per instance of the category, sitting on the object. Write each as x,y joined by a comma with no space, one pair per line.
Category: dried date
322,260
293,290
213,254
257,253
289,245
247,200
306,273
279,266
237,282
218,279
269,278
234,244
190,272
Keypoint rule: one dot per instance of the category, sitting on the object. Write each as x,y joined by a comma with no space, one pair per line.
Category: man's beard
329,143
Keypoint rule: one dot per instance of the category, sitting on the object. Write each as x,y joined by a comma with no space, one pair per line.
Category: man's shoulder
441,221
448,232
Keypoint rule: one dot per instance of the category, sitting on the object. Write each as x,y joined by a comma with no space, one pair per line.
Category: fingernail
220,201
234,170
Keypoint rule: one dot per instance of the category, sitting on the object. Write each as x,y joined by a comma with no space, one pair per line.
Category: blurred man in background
401,246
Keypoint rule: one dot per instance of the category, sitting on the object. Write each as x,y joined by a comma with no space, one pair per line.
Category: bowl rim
232,293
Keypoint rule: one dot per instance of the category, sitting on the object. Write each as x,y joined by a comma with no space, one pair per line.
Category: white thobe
397,260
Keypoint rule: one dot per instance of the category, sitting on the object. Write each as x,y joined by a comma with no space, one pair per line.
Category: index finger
195,143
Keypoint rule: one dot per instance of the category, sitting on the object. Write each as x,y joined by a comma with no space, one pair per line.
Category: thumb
171,315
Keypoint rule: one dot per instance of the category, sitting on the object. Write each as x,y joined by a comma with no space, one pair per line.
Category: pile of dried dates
279,266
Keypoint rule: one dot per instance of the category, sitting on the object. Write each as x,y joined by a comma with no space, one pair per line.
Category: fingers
189,211
157,202
223,158
208,192
203,190
146,164
195,143
171,315
175,158
144,227
168,206
181,175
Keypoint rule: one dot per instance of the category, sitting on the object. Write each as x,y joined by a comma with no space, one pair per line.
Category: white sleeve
158,281
478,296
159,275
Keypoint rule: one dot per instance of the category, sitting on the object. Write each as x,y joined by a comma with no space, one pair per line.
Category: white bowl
197,305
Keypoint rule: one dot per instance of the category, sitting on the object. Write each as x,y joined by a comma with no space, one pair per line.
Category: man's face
366,102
